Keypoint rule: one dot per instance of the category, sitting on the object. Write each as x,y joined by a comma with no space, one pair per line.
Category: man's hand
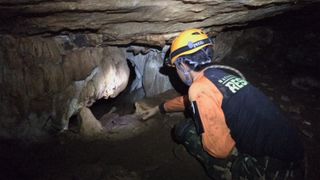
145,111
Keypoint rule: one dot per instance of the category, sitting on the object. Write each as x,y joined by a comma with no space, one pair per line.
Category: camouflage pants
237,166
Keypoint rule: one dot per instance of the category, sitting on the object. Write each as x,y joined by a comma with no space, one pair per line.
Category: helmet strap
186,73
188,79
207,54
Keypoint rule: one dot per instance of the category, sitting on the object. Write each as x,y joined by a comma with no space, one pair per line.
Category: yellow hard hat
188,42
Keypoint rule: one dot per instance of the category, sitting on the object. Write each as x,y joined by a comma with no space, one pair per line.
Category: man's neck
195,75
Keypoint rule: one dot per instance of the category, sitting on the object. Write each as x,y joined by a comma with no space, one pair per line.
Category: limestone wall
44,81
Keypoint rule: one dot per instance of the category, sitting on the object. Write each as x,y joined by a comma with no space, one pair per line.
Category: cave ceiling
137,21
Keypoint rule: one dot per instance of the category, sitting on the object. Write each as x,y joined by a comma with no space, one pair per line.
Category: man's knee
181,130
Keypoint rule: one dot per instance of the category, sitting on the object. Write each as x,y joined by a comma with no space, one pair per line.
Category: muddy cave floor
153,154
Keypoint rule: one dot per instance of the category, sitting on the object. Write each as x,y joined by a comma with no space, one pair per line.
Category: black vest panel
256,124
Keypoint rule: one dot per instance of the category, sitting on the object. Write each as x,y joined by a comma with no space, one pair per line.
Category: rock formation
138,21
44,83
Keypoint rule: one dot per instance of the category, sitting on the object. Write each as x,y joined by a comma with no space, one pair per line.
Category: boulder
89,125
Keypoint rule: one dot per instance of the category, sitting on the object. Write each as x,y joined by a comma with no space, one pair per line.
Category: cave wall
148,62
47,80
